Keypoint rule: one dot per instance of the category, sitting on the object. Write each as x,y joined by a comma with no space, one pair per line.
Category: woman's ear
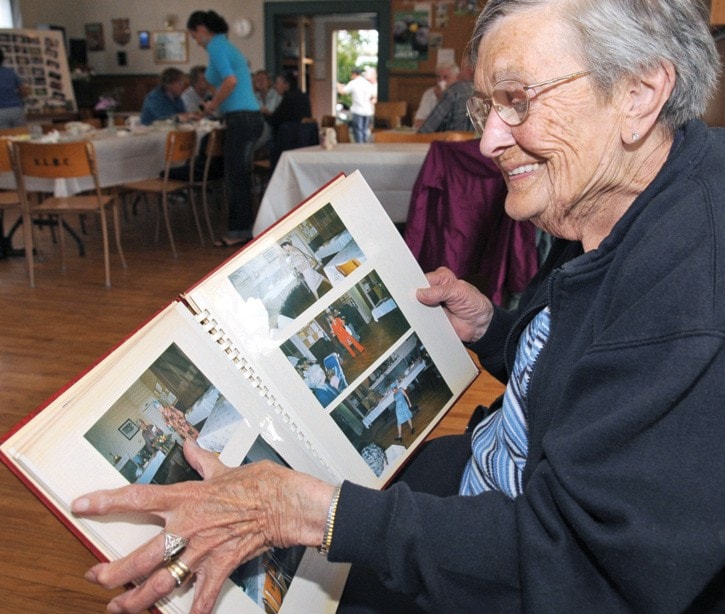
645,95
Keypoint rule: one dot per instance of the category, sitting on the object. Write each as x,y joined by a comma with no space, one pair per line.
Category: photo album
307,348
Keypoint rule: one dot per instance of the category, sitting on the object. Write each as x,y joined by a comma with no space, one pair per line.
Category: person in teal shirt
234,100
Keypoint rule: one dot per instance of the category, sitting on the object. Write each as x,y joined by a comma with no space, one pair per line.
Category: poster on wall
410,35
40,60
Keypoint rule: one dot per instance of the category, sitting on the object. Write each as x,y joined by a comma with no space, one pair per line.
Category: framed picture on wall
144,39
170,46
94,37
129,428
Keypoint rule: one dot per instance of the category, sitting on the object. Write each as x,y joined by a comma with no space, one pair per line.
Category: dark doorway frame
273,11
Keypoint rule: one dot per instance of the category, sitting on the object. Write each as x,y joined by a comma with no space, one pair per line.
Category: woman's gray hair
620,38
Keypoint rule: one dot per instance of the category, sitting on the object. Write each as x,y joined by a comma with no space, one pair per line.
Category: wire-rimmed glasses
510,99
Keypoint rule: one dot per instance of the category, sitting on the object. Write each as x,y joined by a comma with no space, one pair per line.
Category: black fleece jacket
624,499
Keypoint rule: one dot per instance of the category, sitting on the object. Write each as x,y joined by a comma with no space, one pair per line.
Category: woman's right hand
468,310
233,515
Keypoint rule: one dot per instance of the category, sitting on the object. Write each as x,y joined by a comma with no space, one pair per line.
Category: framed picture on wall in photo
170,46
94,37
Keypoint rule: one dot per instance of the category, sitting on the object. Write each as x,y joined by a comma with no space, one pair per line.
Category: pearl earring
635,136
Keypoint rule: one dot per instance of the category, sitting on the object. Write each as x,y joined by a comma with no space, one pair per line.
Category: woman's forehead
520,46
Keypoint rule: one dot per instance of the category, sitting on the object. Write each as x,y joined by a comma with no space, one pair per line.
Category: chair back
410,136
56,160
15,131
459,135
215,144
6,164
180,146
390,114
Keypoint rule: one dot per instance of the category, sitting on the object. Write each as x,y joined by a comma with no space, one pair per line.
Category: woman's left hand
231,516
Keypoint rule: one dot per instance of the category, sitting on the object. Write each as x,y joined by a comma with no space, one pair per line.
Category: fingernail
80,505
90,575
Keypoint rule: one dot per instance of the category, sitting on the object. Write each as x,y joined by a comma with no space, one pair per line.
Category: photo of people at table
341,343
397,401
267,578
143,432
301,268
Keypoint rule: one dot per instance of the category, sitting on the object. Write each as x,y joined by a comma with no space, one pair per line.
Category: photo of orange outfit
337,326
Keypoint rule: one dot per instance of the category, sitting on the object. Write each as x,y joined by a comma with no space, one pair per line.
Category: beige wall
143,15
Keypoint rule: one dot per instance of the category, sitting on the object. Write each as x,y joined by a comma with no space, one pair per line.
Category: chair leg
205,204
157,213
192,200
28,242
106,249
61,242
117,232
165,207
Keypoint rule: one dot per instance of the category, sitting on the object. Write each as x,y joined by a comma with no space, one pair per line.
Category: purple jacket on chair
456,219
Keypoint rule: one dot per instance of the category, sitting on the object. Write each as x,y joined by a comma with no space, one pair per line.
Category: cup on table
133,122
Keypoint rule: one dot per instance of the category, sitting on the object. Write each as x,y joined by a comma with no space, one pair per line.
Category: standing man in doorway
363,95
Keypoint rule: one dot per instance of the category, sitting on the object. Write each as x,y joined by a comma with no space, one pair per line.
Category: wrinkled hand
468,310
232,516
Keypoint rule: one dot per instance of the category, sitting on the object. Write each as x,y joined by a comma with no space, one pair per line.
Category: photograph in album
367,415
170,402
305,264
336,347
266,579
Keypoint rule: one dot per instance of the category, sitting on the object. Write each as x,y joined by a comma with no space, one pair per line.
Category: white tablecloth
121,157
390,168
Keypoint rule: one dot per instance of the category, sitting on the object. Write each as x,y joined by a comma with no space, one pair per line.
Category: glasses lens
511,102
478,110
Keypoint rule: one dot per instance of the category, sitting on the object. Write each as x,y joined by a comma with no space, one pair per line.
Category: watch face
243,27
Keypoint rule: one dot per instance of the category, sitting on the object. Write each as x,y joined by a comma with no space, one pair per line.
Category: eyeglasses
510,99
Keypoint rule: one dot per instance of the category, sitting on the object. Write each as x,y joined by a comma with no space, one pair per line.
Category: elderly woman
596,484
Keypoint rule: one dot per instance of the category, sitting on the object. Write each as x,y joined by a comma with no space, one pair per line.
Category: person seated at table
450,113
198,91
164,101
595,483
294,105
268,98
446,75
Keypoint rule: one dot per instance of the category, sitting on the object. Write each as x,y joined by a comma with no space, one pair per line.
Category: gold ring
179,572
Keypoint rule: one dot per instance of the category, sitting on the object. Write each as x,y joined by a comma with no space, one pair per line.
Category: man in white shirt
194,96
446,74
363,95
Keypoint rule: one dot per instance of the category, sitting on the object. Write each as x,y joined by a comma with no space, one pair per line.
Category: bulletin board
40,59
421,31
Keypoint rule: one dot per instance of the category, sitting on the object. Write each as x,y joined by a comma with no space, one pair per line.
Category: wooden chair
342,130
64,161
10,201
180,150
214,151
16,131
390,114
410,136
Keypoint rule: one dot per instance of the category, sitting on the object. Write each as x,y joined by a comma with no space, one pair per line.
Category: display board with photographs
40,59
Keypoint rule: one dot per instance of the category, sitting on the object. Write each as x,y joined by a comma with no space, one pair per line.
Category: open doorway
320,20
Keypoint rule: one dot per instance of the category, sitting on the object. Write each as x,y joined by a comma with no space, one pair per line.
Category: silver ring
173,545
179,571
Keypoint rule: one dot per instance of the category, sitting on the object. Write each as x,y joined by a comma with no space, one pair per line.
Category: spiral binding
211,326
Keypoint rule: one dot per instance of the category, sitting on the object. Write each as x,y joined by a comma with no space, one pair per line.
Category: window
6,14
